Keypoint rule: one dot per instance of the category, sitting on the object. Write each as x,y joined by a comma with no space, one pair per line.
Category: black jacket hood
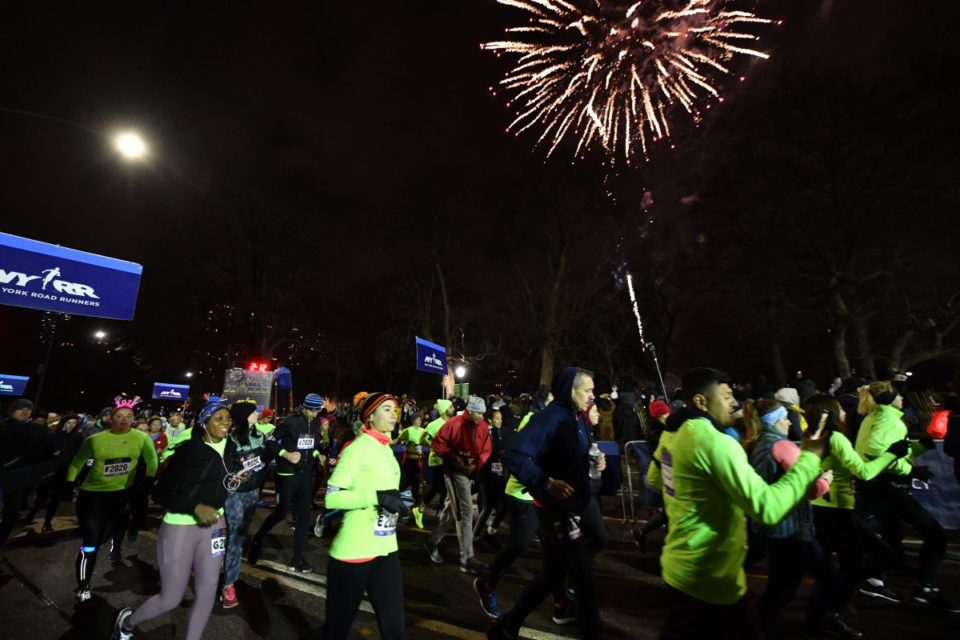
562,387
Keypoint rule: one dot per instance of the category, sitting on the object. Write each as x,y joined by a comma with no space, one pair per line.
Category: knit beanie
240,411
372,401
20,403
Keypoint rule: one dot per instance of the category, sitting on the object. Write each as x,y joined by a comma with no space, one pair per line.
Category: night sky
354,145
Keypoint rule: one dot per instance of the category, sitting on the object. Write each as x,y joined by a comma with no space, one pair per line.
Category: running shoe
433,553
492,531
82,594
300,565
929,595
417,517
319,528
228,597
119,631
488,598
472,565
46,528
879,591
640,540
564,613
833,627
116,556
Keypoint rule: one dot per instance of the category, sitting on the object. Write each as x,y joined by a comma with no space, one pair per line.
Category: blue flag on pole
431,358
11,385
49,277
170,391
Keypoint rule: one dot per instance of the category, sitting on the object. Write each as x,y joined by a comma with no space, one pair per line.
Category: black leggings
893,505
380,578
523,526
413,478
11,511
101,514
843,532
437,487
491,487
787,562
294,491
565,558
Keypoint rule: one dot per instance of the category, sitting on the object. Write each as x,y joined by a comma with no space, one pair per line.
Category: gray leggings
181,548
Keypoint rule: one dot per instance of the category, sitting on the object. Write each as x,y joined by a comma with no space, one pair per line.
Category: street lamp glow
100,335
189,374
460,371
130,145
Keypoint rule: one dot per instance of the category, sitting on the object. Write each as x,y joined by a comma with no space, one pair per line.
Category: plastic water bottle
594,454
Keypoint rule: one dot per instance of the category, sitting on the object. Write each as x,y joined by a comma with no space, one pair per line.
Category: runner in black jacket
299,439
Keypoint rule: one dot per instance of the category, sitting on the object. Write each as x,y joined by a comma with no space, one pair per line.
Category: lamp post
131,147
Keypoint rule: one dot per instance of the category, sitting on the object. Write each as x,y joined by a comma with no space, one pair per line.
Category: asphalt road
37,583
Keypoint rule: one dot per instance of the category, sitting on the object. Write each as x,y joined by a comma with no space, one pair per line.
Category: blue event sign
170,391
431,358
49,277
11,385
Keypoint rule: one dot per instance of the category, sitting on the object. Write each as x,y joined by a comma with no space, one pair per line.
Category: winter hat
788,395
476,405
204,415
806,388
313,402
443,405
659,408
266,414
372,401
241,410
20,403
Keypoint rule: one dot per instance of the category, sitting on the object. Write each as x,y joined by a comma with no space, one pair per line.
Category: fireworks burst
609,73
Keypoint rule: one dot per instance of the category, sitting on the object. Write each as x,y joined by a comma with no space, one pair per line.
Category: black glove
66,492
391,501
928,443
921,473
899,448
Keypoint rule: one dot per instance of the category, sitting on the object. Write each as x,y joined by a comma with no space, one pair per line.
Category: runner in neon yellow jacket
363,554
709,486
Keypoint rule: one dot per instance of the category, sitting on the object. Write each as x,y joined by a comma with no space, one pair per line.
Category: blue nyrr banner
48,277
170,391
431,358
11,385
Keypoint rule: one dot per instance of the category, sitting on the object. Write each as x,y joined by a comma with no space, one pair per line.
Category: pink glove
785,453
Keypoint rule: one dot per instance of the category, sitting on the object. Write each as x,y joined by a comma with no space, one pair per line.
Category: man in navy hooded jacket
550,457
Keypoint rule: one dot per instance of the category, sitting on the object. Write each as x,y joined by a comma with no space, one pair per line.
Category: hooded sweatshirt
554,445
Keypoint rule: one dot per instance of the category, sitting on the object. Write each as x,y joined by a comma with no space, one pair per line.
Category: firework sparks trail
608,73
636,309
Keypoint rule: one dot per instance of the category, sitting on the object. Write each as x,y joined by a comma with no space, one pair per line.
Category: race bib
386,523
218,543
496,468
666,472
116,467
305,442
418,450
252,463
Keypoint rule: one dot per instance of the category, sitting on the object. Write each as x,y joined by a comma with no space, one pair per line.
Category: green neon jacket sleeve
79,460
654,480
149,454
842,451
766,503
346,489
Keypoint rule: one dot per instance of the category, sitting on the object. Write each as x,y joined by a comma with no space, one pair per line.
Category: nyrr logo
170,393
432,360
6,387
50,278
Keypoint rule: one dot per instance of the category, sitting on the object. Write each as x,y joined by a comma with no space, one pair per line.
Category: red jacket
460,436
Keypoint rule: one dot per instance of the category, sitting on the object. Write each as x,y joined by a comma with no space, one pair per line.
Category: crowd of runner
817,483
